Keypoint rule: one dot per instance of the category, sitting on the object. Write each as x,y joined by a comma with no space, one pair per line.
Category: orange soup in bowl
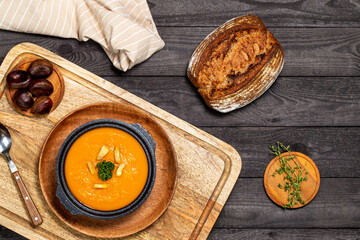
118,191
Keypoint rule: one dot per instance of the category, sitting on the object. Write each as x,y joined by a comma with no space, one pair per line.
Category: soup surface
121,190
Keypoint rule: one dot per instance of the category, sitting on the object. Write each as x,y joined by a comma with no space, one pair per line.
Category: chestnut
18,79
23,99
42,105
40,68
40,86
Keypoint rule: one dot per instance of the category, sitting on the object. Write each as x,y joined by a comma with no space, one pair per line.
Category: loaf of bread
236,63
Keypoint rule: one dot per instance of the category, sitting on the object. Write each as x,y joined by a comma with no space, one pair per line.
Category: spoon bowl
5,140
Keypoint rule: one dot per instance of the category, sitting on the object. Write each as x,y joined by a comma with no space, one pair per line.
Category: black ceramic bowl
67,198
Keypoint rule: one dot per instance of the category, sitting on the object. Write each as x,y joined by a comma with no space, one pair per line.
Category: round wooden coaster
309,188
55,78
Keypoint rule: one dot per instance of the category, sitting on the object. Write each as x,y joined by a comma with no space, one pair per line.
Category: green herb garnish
292,175
105,169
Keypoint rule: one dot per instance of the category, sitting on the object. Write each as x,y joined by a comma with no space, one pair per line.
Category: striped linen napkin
124,28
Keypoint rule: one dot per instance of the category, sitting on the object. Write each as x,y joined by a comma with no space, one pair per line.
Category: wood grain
8,234
217,164
274,13
261,234
339,99
321,39
334,150
256,234
308,51
337,205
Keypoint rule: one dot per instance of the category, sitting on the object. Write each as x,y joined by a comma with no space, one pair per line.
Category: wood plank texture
335,151
308,51
337,205
280,13
286,100
254,234
313,106
266,234
8,234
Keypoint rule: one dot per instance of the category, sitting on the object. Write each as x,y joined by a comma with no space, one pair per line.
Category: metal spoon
5,144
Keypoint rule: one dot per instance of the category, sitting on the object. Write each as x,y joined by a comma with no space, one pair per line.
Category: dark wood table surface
314,106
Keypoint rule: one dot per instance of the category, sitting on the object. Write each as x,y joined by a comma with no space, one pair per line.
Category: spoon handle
33,212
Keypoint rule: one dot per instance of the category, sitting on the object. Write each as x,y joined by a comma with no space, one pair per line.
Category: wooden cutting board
208,168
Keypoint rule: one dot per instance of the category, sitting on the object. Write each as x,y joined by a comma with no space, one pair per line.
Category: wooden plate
309,188
159,198
23,63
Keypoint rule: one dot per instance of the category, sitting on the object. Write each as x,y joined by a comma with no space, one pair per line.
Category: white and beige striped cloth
124,28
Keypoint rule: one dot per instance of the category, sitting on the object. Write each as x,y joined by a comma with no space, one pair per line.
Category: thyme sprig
292,175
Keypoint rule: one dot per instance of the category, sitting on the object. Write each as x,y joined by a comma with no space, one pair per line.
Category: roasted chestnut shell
42,105
40,87
23,99
18,79
40,68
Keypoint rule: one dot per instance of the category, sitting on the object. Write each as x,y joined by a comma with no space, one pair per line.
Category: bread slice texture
236,63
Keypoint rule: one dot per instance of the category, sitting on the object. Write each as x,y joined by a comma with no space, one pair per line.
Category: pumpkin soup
128,177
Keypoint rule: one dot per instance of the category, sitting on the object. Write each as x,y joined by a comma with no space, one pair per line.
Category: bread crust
232,60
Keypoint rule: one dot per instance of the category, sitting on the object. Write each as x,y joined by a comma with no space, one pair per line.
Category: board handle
33,212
